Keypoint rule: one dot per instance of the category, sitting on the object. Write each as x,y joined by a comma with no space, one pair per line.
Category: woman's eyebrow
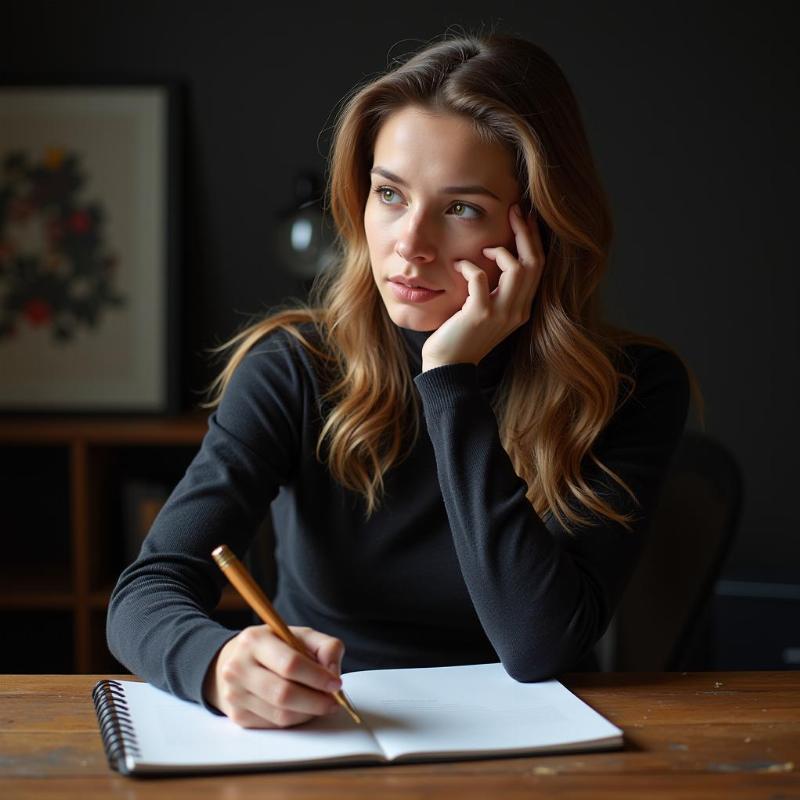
473,189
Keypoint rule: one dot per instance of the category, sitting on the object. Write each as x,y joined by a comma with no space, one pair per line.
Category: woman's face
439,194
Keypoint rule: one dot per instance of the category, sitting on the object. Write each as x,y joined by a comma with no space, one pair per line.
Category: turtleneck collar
490,369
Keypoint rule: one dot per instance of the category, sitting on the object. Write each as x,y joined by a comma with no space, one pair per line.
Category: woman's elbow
530,671
545,663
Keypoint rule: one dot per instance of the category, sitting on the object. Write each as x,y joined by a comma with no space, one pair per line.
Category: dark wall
693,117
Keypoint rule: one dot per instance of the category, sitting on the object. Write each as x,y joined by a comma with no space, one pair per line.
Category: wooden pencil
243,582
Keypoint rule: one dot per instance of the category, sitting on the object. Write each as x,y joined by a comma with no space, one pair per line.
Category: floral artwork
89,247
56,269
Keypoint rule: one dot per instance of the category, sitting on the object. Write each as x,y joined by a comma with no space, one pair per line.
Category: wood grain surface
687,735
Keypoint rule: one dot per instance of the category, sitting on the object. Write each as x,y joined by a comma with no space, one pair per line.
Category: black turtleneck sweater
454,568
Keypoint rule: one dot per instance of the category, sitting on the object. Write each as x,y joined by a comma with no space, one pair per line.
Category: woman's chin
414,319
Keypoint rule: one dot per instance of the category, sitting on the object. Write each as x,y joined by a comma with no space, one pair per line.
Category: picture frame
90,243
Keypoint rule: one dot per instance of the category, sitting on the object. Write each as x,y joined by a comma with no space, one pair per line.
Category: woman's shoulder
269,380
294,346
288,337
656,382
645,360
273,352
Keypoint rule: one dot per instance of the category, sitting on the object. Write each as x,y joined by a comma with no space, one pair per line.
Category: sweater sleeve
158,622
545,596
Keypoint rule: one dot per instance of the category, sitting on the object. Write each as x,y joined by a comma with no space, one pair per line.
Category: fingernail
517,210
334,669
334,686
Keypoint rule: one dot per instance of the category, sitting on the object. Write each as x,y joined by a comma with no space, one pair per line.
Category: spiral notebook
436,713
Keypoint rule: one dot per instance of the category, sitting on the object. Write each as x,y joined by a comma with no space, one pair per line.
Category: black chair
662,621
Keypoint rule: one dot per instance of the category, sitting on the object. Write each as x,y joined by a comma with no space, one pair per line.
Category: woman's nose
414,244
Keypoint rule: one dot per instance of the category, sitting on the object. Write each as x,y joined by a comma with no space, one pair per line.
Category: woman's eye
461,210
458,209
382,191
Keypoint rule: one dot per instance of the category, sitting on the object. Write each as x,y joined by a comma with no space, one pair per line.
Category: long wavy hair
567,370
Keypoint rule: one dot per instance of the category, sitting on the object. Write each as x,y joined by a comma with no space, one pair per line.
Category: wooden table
688,735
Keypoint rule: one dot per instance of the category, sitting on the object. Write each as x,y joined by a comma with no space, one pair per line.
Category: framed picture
89,247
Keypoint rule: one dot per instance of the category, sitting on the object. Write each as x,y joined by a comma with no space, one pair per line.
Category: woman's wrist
210,683
429,364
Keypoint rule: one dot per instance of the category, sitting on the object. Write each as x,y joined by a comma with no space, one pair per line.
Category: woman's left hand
486,318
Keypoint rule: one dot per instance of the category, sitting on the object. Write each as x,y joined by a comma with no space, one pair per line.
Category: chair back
660,617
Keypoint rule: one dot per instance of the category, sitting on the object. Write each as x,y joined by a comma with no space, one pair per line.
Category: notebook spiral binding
119,738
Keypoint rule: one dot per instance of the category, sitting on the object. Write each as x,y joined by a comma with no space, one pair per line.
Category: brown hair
563,384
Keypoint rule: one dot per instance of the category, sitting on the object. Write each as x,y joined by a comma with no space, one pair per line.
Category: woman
460,457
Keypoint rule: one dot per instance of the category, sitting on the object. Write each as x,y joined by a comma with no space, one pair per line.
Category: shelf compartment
49,651
186,429
110,469
46,587
36,507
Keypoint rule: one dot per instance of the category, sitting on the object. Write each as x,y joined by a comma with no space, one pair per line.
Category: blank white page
175,733
472,709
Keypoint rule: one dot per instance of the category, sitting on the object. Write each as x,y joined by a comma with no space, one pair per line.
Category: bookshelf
63,525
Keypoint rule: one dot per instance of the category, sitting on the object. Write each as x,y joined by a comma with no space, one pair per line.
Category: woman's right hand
259,681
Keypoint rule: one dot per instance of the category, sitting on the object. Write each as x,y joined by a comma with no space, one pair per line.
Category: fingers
518,284
259,681
491,314
509,297
252,710
281,700
327,650
527,240
522,273
477,286
278,657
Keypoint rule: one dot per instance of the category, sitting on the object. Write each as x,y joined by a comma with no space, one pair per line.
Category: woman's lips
403,292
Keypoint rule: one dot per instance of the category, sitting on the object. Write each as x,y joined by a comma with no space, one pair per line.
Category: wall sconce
304,236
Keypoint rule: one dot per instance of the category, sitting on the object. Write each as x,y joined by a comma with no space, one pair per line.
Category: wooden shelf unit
61,481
